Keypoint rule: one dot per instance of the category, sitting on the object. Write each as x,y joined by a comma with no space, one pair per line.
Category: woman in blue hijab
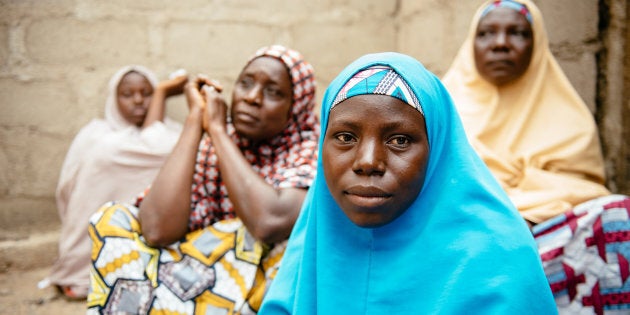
403,217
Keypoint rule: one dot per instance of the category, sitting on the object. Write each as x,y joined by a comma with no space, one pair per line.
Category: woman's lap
585,253
220,267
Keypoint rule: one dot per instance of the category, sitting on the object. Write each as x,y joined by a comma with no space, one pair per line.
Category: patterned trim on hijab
381,80
518,7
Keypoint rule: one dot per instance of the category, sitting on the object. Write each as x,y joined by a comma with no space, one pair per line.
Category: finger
200,80
216,84
178,73
209,90
191,86
203,79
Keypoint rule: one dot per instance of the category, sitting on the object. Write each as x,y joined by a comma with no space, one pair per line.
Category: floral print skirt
220,269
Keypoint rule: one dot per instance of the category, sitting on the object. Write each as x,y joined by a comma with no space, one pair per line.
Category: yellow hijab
535,134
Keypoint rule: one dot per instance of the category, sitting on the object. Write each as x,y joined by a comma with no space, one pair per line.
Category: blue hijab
460,248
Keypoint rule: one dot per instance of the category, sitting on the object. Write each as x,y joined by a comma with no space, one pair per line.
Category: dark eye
245,83
484,33
273,93
345,138
521,33
400,141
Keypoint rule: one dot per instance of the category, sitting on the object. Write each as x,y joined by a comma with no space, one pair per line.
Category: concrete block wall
57,56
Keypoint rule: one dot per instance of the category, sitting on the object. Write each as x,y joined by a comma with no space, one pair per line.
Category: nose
138,98
500,40
370,159
254,95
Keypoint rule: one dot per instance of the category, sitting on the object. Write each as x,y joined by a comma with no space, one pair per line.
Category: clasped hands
204,94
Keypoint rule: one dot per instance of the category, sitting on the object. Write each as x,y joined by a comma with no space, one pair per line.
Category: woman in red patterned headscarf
212,229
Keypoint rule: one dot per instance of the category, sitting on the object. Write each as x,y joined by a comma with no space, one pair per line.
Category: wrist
159,90
215,130
195,115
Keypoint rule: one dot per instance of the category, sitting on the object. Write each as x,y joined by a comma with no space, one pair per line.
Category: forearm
267,212
156,107
165,211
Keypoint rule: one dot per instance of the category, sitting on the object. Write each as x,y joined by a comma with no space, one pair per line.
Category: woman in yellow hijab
540,141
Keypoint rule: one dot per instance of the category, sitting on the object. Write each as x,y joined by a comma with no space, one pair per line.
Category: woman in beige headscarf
111,158
540,141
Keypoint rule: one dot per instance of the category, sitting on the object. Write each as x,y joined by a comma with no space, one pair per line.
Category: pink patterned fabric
586,254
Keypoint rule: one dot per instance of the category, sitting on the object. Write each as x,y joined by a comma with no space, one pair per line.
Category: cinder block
582,73
4,44
433,27
344,43
45,105
570,20
36,251
16,10
210,48
86,43
34,160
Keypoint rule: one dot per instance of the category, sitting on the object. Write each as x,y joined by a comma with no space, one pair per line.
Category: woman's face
374,154
133,96
262,99
503,46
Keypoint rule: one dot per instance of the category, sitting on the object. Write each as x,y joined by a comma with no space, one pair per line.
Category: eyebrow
386,127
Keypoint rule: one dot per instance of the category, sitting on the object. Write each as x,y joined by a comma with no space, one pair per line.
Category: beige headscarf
109,159
536,134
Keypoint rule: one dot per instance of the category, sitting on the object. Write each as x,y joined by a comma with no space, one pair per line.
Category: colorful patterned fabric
378,80
219,268
460,248
586,255
518,7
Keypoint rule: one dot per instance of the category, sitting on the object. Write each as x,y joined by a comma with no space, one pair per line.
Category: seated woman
540,141
211,231
403,217
111,159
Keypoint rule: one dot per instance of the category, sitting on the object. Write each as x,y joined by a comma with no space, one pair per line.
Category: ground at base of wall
19,295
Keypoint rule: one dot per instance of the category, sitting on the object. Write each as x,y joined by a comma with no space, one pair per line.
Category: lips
140,112
500,63
246,117
367,196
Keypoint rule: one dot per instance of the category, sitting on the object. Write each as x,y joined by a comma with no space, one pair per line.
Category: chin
368,222
243,131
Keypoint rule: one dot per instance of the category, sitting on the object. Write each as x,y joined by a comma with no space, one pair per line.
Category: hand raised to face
203,93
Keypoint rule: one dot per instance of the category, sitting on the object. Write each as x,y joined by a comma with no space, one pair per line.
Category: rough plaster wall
57,56
613,112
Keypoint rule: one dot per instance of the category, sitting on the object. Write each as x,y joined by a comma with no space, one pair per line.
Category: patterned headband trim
518,7
381,80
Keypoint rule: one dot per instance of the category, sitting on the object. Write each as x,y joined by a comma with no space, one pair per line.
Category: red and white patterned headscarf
287,160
